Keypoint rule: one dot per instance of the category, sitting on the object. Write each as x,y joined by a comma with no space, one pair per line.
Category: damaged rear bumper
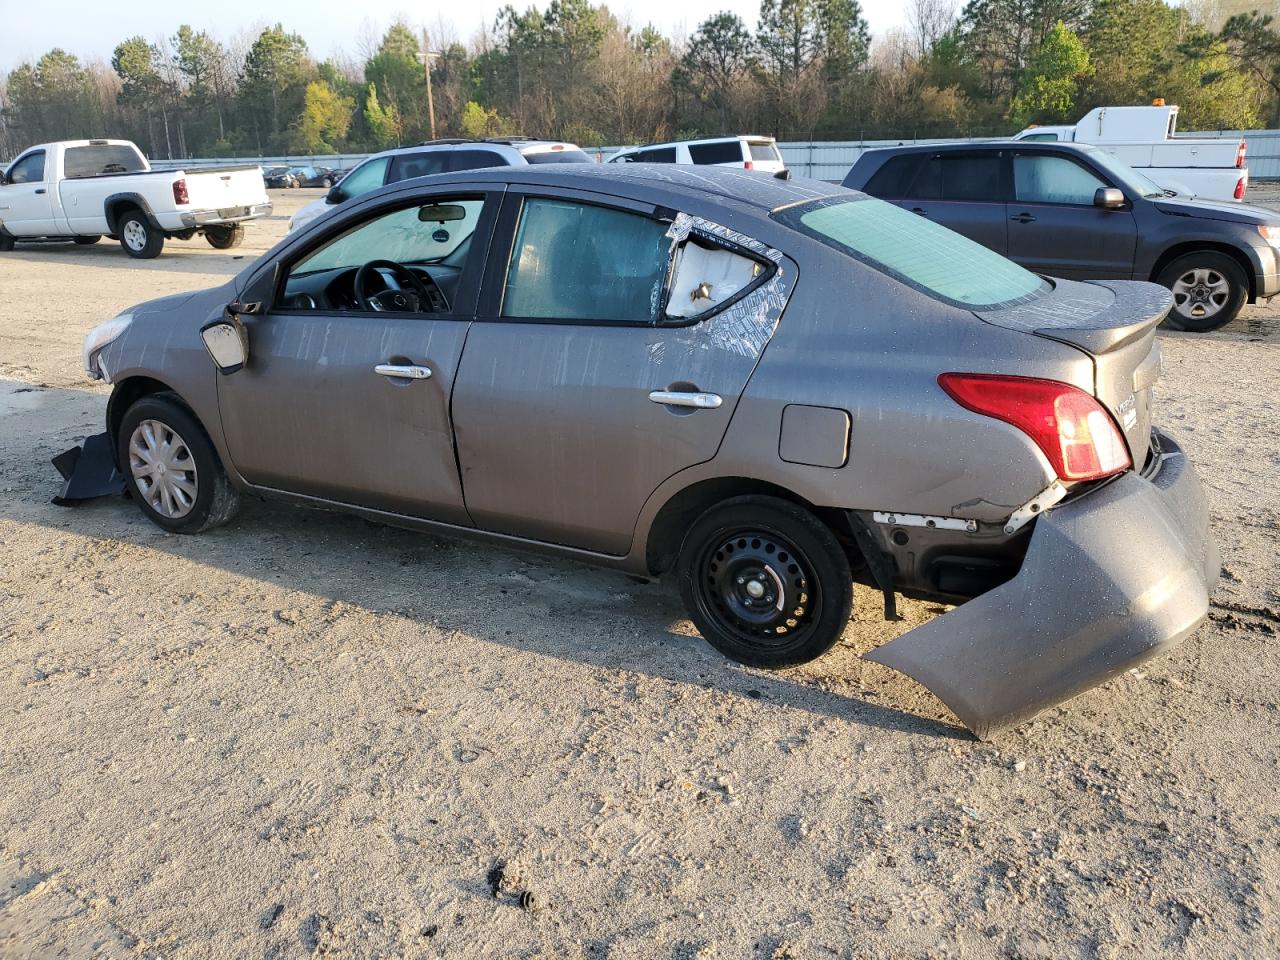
1110,578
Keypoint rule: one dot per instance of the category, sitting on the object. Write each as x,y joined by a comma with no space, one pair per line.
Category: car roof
754,189
1047,146
740,137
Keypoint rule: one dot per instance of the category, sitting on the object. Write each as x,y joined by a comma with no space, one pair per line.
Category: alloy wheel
1201,293
135,235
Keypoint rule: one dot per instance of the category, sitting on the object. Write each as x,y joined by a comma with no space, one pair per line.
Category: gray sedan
771,389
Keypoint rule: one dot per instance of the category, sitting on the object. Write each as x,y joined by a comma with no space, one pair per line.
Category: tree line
574,71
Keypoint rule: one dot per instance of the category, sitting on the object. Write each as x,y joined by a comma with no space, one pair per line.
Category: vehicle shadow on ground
552,607
179,256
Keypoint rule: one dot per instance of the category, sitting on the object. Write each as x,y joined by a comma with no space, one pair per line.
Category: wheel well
667,532
125,395
117,208
1235,253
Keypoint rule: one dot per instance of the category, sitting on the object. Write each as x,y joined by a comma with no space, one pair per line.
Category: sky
91,28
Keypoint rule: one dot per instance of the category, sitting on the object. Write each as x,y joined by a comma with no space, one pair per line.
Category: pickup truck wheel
139,239
224,238
171,468
87,241
1209,290
765,582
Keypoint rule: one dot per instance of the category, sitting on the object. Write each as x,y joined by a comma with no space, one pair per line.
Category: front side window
723,151
921,254
30,169
368,176
1049,179
418,234
577,261
97,160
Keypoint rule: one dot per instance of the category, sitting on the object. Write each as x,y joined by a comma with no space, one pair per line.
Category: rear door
26,204
574,400
964,192
1054,227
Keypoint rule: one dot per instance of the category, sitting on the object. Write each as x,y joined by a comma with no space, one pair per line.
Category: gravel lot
304,734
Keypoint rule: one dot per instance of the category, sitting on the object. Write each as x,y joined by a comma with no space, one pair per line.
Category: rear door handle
676,398
406,372
1023,218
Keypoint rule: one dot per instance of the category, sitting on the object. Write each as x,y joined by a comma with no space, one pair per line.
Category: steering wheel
397,298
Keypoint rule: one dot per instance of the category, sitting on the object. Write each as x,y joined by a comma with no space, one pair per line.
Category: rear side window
100,160
660,155
475,159
30,169
558,156
921,254
576,261
368,176
724,151
1048,179
957,177
764,151
409,165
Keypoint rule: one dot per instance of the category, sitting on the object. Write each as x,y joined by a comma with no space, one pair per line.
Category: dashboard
335,289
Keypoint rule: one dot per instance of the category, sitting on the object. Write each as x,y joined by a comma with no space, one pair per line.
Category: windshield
410,235
558,156
909,248
1125,176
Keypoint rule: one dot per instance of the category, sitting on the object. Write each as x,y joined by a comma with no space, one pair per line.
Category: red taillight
180,192
1241,184
1240,151
748,165
1075,432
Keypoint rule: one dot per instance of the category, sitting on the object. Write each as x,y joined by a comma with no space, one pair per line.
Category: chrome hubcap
135,235
163,469
1201,293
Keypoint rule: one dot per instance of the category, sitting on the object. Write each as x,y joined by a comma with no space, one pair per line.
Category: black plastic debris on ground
88,471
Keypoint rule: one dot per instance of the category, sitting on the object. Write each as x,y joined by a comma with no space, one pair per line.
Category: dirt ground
305,734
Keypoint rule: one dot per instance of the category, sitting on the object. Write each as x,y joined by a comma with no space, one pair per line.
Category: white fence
820,160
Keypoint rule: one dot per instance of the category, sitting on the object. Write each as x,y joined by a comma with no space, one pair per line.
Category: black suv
1075,211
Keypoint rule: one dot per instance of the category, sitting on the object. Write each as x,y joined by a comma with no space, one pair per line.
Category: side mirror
227,340
335,195
1109,198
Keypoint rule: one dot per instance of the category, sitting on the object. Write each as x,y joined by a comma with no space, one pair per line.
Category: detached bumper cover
1110,579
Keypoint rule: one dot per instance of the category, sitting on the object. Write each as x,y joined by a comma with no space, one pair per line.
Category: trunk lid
225,188
1114,321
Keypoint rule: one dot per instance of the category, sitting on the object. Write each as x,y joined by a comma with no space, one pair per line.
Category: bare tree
928,22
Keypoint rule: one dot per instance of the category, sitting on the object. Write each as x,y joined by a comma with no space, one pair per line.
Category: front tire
765,582
171,468
138,237
87,241
1209,290
224,238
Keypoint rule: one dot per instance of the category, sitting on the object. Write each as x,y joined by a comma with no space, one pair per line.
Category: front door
1054,227
26,206
346,393
595,370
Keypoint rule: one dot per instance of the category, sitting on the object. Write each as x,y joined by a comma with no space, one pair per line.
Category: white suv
745,153
438,156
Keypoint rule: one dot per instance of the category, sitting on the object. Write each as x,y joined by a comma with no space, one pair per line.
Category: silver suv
438,156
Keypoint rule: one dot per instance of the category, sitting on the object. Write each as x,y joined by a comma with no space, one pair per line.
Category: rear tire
1209,290
190,493
765,582
224,238
87,241
138,237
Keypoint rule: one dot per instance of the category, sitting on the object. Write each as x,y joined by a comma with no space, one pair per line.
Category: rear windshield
100,160
763,151
914,250
558,156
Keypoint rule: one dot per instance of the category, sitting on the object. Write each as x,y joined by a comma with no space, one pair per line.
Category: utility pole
426,67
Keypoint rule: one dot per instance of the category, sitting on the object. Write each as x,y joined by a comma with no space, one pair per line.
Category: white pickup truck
85,189
1144,138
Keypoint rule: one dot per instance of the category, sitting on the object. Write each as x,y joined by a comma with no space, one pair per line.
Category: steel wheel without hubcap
758,588
1201,293
135,235
163,469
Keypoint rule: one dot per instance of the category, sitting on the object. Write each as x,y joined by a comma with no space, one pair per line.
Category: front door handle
1023,218
680,398
405,372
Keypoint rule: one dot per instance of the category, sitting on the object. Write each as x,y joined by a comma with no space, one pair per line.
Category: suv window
659,155
30,169
97,160
894,178
368,176
764,151
558,156
1039,136
475,159
725,151
577,261
964,176
916,251
405,166
1048,179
